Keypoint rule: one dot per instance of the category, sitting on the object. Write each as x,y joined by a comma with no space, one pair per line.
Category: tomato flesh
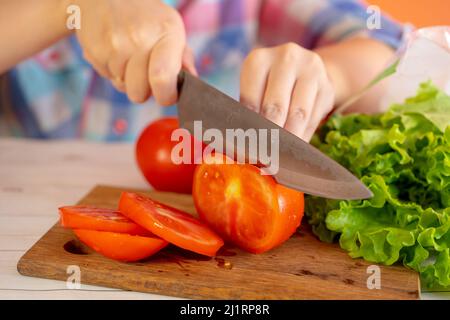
172,225
120,246
99,219
244,207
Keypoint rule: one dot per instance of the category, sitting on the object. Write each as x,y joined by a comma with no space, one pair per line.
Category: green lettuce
403,156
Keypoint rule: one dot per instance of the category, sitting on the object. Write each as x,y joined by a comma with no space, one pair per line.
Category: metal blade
301,166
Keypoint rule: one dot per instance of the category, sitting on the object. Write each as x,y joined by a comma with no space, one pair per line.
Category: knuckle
146,34
121,42
290,47
315,70
138,35
289,52
316,61
272,110
165,27
175,20
298,113
172,23
255,58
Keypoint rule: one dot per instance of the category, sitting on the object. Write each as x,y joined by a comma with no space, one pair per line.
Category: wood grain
302,268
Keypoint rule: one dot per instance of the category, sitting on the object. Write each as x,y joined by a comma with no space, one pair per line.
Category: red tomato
153,154
172,225
99,219
120,246
245,207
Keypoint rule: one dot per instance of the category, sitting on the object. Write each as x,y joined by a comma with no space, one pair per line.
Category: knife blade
301,166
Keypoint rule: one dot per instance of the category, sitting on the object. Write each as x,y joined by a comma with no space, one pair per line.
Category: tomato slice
172,225
245,207
120,246
99,219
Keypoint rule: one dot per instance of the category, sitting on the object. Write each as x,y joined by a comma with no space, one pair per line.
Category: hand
140,45
289,85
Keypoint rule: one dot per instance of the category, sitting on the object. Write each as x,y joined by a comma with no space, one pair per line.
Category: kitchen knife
301,166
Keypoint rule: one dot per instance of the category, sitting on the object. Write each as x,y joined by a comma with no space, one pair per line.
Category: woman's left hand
289,85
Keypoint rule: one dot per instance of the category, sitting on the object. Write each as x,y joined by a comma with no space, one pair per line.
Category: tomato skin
99,219
153,155
170,224
120,246
291,204
245,207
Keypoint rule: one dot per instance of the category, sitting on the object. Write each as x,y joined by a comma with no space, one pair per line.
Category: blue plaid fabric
56,94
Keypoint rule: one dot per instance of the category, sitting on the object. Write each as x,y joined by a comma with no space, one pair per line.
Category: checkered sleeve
313,23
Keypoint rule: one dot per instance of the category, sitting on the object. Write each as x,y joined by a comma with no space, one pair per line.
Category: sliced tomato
120,246
99,219
291,206
172,225
245,207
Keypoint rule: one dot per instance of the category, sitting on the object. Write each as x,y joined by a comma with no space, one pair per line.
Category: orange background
421,13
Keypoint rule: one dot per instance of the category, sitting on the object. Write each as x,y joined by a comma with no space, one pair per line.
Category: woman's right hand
140,45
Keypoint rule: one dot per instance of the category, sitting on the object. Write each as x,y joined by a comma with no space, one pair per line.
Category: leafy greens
403,156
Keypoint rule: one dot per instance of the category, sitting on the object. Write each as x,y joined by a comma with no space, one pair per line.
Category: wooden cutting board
301,268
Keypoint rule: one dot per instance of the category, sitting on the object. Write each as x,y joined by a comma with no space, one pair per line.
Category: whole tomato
153,155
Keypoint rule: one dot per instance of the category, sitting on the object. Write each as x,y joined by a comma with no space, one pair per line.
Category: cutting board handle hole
74,247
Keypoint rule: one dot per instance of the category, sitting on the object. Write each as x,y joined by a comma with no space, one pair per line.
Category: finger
117,66
164,66
100,68
188,61
310,130
323,106
301,106
117,76
119,85
136,77
280,83
99,55
254,73
122,49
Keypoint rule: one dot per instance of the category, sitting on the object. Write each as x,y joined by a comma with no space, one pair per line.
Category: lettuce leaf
403,156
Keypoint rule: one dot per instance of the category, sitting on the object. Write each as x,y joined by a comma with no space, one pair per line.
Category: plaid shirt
56,94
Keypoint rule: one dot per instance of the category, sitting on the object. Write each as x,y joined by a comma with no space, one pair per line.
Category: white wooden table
38,176
35,178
